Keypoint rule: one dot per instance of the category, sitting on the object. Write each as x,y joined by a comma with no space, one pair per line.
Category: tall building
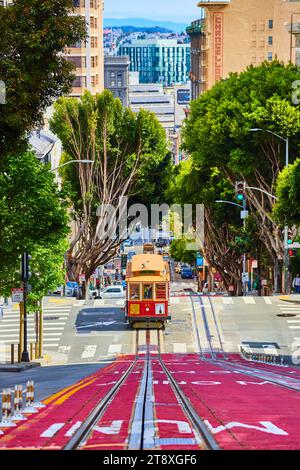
158,60
237,33
88,56
116,77
195,31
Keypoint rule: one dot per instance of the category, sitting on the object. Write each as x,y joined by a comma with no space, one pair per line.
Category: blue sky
173,10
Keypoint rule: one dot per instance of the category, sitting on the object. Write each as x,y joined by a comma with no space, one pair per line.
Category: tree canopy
33,35
126,149
287,209
33,217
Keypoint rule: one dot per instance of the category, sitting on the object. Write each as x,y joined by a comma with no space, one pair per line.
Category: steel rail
188,407
87,426
217,327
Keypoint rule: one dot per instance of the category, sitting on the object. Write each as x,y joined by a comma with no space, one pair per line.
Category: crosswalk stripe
268,300
227,300
115,349
249,300
180,347
89,351
294,327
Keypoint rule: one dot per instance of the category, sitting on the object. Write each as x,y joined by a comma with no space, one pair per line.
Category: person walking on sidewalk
296,284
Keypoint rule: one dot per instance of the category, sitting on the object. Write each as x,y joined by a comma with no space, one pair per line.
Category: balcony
208,3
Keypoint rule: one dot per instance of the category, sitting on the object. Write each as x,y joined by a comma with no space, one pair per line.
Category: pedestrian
1,312
296,284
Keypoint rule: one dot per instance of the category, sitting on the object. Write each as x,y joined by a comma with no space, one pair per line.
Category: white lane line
180,348
294,327
57,328
52,430
89,351
115,349
293,321
249,300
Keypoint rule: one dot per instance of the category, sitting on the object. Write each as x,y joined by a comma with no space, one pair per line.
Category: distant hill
144,23
149,30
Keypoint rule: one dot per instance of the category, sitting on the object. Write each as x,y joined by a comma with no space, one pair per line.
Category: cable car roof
147,262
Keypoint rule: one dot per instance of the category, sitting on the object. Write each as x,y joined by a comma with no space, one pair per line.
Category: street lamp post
286,229
72,161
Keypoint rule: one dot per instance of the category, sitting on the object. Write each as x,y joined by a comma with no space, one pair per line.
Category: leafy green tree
33,35
33,216
217,136
180,253
125,148
287,209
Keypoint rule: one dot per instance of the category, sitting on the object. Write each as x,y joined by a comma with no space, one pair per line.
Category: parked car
127,243
112,292
186,273
130,255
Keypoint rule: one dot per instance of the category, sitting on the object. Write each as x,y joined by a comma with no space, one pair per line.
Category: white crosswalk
55,318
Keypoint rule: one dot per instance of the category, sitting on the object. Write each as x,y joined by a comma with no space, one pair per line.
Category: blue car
186,273
130,255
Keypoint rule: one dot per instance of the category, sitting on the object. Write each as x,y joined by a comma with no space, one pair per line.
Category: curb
18,367
288,299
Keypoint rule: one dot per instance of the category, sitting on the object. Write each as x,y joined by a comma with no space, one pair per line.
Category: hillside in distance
144,23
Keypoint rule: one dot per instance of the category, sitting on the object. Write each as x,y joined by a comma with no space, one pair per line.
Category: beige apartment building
237,33
88,56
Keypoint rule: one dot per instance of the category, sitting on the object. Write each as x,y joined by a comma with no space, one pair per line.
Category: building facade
162,61
195,31
116,77
237,33
88,56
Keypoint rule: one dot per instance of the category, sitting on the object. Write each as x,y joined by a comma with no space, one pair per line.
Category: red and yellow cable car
148,291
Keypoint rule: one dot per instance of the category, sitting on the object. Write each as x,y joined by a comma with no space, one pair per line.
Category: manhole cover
51,318
287,315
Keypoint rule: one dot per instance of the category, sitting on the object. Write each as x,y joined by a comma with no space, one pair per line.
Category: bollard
29,409
12,353
19,353
31,351
36,353
6,410
36,404
18,403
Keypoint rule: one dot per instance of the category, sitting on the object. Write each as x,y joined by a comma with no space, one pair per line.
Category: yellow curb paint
65,397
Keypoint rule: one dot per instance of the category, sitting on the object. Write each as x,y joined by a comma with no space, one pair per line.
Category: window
134,292
148,291
161,291
270,24
297,41
270,56
270,40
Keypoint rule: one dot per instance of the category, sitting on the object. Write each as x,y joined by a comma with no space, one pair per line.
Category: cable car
148,291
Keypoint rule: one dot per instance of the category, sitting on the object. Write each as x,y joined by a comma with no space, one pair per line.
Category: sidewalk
294,298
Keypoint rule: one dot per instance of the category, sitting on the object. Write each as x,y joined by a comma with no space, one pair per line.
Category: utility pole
25,276
240,190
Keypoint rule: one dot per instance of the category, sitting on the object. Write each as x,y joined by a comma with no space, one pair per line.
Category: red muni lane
52,427
242,412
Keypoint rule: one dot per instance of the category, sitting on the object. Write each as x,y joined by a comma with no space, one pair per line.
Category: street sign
200,261
82,278
254,264
245,277
17,295
244,214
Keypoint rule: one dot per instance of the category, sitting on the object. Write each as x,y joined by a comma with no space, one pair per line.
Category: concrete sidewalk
294,298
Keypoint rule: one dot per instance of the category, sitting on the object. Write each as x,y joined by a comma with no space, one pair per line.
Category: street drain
50,318
287,315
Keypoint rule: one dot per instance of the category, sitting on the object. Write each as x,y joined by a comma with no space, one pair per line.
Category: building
164,61
152,97
237,33
116,77
46,146
195,31
88,56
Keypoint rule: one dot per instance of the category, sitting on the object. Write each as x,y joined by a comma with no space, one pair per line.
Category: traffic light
290,237
123,262
240,190
25,267
292,253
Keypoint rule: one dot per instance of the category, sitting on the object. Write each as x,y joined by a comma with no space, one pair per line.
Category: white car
112,292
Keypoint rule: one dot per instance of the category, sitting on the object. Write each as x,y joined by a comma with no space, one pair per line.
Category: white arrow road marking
268,427
113,429
253,383
52,430
89,351
91,325
73,429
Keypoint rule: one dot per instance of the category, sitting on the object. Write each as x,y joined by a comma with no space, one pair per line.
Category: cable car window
134,290
148,291
161,291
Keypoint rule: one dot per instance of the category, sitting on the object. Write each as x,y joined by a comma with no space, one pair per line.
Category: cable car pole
25,275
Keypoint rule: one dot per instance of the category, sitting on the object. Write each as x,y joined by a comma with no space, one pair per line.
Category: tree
124,148
287,209
33,217
33,35
180,253
218,138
